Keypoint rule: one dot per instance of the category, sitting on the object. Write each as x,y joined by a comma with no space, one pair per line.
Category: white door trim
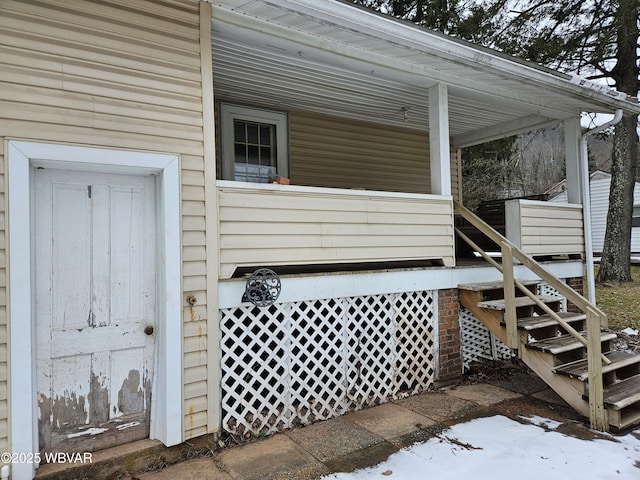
166,405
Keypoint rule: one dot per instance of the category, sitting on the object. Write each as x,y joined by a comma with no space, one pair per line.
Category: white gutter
586,202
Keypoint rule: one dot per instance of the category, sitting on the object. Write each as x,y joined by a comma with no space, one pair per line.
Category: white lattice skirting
295,363
477,342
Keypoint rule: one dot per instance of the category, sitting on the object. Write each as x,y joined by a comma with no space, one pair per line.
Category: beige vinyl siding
117,74
275,225
456,174
551,229
332,152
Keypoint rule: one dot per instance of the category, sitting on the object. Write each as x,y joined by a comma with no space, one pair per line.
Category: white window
254,144
635,222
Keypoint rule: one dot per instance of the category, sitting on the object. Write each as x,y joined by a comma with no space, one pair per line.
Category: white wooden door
95,307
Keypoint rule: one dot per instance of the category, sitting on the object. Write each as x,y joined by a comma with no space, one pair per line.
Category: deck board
580,370
520,302
623,394
541,321
482,286
565,343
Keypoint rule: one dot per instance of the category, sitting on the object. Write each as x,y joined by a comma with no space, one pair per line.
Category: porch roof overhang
332,57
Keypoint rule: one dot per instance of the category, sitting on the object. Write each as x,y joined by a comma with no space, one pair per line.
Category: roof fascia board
349,52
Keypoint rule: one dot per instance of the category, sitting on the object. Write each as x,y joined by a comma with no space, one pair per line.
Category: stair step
541,321
579,369
622,394
520,302
564,343
482,286
625,419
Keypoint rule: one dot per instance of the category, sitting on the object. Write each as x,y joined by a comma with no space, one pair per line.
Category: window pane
253,156
239,131
265,156
252,133
265,134
240,153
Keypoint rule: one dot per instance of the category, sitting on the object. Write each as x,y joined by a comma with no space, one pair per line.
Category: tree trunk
615,266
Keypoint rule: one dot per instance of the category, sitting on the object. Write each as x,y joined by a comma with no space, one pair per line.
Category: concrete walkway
356,440
367,437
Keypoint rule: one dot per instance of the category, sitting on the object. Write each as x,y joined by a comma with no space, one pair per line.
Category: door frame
22,158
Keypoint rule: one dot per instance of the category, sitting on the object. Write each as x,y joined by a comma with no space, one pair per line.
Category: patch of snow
630,331
541,421
88,431
498,448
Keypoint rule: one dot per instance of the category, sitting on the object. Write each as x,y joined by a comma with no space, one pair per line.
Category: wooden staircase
556,356
571,352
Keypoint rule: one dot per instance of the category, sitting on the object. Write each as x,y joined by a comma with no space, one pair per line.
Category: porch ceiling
334,58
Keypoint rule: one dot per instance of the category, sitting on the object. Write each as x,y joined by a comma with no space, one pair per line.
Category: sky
499,448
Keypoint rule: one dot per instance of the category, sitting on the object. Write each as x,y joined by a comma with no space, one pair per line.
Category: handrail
595,317
566,291
572,331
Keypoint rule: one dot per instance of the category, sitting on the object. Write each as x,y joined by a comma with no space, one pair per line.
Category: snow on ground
497,448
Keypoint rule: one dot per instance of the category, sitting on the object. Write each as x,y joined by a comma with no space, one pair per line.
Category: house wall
121,75
599,208
599,195
333,152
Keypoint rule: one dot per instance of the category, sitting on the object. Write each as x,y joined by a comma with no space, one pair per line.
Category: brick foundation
577,283
450,355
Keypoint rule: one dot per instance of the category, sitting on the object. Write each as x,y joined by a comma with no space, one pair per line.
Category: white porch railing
272,225
543,228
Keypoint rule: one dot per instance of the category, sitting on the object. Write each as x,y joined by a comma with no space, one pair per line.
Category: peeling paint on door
98,400
95,259
69,410
131,396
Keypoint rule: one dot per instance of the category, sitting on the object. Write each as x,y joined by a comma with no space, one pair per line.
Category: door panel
71,221
95,295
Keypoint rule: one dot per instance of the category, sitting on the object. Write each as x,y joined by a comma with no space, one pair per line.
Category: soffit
348,62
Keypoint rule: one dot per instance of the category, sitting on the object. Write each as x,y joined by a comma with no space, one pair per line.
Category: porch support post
440,158
572,134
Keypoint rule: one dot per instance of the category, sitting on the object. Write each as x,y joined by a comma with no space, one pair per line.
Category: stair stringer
571,390
489,318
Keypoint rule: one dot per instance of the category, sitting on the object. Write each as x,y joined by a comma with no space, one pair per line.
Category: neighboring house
599,186
138,140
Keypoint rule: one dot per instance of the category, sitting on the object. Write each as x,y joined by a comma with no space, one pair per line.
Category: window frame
230,112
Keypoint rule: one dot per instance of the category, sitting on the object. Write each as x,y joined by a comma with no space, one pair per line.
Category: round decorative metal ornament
262,288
